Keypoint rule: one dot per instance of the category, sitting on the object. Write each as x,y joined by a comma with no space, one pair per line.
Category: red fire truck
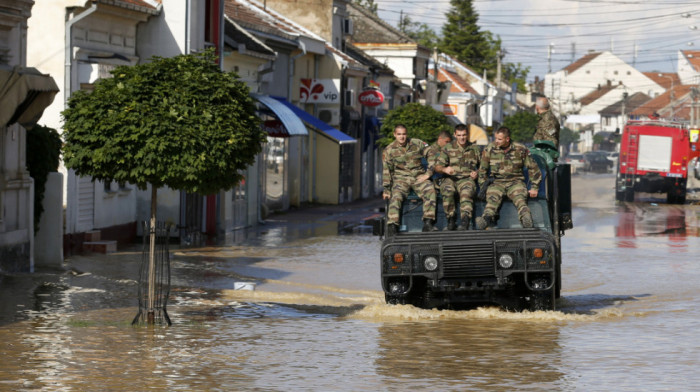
654,157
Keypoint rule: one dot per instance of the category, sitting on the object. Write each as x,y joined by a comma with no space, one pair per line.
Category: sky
653,30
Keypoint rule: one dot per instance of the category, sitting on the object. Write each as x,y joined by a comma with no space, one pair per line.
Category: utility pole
550,49
573,52
498,68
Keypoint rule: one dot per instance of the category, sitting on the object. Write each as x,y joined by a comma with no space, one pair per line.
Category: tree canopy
419,32
370,5
178,122
422,122
463,39
522,126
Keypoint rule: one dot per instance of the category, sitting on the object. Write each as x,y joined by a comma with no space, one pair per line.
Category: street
317,319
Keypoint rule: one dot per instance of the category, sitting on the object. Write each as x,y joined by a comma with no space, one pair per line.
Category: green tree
178,122
422,122
522,126
369,4
462,38
419,32
516,73
567,136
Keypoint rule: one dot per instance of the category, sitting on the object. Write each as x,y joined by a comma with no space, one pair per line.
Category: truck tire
629,194
542,300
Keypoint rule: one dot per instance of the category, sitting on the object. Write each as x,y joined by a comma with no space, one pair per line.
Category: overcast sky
657,29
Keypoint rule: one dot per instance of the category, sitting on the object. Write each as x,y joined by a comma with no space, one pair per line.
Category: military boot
483,222
464,223
392,229
451,223
429,225
526,221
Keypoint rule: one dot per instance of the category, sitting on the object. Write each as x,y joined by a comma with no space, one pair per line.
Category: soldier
432,154
459,163
506,160
547,125
403,171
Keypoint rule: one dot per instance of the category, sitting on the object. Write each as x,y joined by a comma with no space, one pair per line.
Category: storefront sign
319,91
449,109
371,98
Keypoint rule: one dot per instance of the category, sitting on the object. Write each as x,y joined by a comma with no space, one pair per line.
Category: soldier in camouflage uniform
432,154
547,125
506,161
403,171
459,163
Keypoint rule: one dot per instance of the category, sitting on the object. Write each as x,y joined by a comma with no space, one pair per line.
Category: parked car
576,162
612,155
597,162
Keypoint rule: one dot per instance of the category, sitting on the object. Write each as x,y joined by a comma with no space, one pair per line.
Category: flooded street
627,319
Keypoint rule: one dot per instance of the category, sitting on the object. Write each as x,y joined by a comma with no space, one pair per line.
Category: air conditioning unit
330,116
347,26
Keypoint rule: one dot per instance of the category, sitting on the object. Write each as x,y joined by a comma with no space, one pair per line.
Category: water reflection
646,220
471,354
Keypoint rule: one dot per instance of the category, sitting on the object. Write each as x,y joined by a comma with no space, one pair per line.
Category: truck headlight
430,263
505,261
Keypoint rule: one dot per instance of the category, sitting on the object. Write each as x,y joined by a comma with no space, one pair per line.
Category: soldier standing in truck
547,125
459,163
403,171
505,160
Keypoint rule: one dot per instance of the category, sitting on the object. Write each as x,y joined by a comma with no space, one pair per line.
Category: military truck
505,265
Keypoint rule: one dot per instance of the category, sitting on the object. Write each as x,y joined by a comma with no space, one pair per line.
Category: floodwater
627,321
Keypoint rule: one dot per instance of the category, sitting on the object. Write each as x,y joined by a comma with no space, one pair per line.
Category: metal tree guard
154,275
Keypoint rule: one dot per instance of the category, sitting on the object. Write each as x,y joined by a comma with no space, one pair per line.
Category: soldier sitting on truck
403,171
432,154
505,160
458,162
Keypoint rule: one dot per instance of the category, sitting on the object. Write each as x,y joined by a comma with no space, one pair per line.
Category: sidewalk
356,211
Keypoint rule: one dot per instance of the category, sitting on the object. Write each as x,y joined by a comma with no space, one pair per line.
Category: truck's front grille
459,260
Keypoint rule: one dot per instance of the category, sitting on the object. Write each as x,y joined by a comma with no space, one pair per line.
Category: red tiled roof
662,102
664,79
595,94
581,62
459,85
693,57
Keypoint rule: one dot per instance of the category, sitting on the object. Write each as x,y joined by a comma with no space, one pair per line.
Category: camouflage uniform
506,167
402,165
464,160
547,127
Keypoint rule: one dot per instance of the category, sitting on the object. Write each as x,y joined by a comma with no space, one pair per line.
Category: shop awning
338,136
24,94
293,126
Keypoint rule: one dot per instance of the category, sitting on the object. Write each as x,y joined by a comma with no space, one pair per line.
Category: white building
566,87
689,66
80,42
24,94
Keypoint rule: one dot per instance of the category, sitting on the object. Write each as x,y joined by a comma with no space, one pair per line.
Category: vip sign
319,91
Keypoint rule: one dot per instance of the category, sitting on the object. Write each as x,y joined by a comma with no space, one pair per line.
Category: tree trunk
151,258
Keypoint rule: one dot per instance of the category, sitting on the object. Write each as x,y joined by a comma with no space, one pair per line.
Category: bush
422,122
43,152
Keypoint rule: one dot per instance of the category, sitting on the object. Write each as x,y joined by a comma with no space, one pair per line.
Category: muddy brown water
627,321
